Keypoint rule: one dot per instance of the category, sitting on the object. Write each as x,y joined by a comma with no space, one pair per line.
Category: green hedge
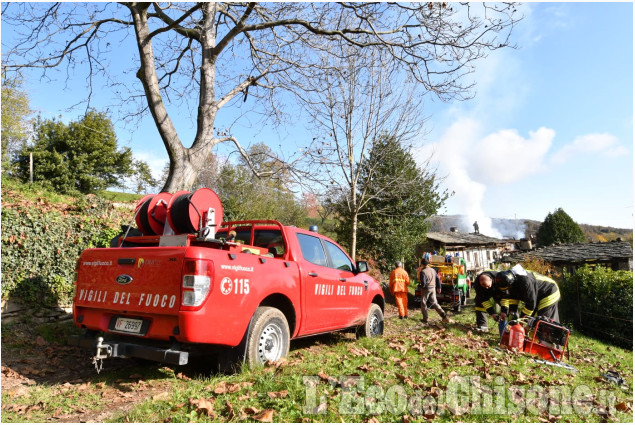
599,302
42,242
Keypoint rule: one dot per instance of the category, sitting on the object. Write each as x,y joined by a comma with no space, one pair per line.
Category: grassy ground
36,191
119,196
412,374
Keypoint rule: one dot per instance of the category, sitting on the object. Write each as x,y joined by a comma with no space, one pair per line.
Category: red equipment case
544,338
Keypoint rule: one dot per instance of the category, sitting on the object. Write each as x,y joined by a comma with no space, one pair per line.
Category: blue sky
551,125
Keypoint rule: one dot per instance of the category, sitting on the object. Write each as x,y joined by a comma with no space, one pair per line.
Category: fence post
577,285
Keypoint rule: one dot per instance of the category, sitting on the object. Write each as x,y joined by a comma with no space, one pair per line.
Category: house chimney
525,244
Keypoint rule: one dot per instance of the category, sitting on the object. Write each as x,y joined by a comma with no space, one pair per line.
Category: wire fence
600,305
609,329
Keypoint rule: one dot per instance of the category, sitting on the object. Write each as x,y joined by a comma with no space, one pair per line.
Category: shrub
41,243
538,265
599,302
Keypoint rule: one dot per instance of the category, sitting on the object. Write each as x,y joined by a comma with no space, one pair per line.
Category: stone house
617,255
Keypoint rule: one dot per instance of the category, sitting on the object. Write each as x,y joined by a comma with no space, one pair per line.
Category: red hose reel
183,212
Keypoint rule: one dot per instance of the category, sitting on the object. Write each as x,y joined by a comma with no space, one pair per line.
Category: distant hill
516,229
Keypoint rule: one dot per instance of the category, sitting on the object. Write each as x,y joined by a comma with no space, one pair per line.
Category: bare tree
216,54
359,101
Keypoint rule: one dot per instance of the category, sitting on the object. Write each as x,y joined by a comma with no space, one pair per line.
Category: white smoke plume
469,163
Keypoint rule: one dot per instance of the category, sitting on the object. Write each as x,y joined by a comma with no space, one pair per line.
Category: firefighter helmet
504,279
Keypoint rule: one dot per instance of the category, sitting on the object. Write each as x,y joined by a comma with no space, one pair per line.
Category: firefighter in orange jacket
399,281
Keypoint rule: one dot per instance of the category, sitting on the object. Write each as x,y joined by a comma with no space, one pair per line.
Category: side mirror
362,266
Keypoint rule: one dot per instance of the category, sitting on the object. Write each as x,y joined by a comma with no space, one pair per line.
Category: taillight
197,282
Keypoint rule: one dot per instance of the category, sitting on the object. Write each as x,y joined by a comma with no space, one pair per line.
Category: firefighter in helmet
486,299
540,294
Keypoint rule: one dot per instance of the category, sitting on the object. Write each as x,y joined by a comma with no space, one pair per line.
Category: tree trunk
354,236
184,163
183,172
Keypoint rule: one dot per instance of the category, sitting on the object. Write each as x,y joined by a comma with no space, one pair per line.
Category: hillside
413,373
521,227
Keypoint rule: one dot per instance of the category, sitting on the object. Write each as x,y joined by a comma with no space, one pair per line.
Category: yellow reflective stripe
486,304
551,299
543,277
479,309
527,311
504,303
512,302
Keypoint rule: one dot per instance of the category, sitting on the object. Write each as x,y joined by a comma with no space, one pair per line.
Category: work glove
495,317
503,316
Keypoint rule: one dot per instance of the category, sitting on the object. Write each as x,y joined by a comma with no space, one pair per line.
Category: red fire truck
241,289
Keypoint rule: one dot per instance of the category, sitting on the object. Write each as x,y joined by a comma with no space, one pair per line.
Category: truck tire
268,338
374,325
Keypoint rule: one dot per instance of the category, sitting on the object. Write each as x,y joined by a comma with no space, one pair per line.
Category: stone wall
13,312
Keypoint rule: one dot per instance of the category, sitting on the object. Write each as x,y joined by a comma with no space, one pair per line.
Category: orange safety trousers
401,298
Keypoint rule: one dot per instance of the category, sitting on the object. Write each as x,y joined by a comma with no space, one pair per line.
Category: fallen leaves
265,416
624,407
328,379
398,346
278,394
277,364
203,406
359,351
550,419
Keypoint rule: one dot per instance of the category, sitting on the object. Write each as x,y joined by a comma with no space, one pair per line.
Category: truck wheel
374,325
268,336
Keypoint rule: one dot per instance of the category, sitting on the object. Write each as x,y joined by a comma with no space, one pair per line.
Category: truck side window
270,239
339,259
312,249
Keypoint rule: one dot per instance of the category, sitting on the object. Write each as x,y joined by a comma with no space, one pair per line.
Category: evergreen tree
559,227
401,196
81,156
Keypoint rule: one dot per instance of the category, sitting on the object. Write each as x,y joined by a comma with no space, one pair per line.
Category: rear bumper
126,349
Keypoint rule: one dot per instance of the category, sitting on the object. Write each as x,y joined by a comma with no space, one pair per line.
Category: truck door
327,290
353,288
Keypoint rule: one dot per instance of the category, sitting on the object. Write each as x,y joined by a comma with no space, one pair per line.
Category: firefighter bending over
539,293
486,299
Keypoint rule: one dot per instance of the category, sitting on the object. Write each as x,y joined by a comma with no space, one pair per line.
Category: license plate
132,326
